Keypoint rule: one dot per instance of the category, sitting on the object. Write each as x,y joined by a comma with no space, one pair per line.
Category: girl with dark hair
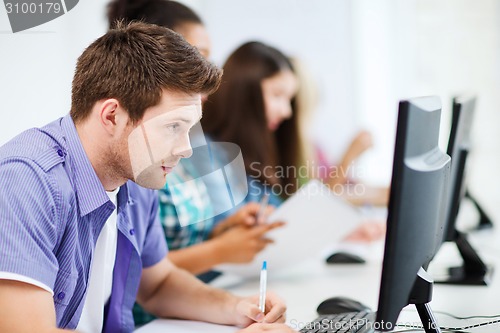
255,108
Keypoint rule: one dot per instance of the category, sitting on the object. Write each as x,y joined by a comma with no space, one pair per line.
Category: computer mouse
344,258
337,305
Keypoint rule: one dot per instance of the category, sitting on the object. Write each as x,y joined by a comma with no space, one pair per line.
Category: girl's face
278,91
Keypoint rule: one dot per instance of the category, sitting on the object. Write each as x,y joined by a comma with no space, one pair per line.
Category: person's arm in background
245,216
235,238
239,244
339,175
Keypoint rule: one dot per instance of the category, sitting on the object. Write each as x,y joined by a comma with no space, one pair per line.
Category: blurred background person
255,107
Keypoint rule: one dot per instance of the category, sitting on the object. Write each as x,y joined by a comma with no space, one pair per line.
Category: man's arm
26,308
197,258
168,291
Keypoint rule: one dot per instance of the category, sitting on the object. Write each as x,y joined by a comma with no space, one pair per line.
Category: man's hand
271,328
247,311
169,292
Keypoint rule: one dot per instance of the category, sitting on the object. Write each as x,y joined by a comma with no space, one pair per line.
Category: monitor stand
421,295
484,220
473,271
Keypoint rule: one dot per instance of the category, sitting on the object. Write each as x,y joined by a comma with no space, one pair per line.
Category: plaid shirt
181,206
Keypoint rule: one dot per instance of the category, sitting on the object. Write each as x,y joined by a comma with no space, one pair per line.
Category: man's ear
111,115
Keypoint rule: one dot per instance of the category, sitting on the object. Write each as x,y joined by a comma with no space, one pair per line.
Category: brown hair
236,113
133,63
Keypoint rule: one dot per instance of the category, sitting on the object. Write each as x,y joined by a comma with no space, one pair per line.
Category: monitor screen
458,149
416,216
473,271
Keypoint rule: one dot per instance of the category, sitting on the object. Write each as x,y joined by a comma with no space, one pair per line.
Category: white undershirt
101,275
25,279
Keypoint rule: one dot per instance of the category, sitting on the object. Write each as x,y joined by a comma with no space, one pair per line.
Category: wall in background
363,55
316,32
36,66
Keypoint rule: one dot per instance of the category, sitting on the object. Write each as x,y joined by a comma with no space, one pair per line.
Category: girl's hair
165,13
236,113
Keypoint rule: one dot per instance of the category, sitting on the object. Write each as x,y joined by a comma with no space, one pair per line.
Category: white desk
304,288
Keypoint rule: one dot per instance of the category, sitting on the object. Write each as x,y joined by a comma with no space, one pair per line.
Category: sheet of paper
316,220
184,326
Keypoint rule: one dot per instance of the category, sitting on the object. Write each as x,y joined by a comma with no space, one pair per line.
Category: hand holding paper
314,215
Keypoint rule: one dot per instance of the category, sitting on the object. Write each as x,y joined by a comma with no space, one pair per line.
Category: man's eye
173,127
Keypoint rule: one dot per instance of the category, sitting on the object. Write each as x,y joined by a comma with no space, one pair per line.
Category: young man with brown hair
79,238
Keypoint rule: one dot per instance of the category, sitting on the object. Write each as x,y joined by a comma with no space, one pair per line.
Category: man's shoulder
42,146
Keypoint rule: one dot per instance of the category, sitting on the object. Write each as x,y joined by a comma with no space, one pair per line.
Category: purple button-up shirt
52,209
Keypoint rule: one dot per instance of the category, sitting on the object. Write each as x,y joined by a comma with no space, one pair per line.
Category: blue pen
263,287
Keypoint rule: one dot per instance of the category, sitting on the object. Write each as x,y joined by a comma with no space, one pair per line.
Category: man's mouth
167,169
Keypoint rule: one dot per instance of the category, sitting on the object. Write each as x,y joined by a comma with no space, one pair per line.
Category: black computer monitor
416,213
473,271
462,113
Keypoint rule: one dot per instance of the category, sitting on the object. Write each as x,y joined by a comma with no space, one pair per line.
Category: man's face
161,138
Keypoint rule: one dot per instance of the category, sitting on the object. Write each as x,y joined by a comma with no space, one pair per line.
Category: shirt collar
90,193
124,196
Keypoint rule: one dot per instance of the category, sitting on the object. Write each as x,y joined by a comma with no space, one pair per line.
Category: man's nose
183,147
